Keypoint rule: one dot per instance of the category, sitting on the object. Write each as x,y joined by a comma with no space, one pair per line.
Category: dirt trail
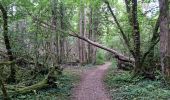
91,86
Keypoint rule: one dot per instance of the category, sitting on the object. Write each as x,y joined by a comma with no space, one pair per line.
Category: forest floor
68,80
121,86
91,86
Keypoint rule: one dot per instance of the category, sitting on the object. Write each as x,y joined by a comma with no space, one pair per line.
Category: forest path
91,86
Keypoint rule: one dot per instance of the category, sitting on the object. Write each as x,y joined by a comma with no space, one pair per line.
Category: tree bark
82,30
165,38
90,47
136,37
63,39
55,38
133,20
93,31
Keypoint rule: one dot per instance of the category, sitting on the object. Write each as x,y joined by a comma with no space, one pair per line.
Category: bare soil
91,86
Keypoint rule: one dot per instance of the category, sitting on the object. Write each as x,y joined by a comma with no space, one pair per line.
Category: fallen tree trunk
74,34
39,85
48,81
116,54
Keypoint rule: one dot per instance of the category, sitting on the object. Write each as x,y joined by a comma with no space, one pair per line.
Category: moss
6,63
62,91
31,88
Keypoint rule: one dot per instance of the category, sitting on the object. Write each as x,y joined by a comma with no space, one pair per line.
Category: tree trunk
63,39
165,38
133,20
136,37
90,48
7,43
82,29
55,38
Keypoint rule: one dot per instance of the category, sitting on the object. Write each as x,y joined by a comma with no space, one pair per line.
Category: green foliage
100,58
123,87
31,38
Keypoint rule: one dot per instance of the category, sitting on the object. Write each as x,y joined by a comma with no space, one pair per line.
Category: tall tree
55,41
82,30
140,58
62,38
93,32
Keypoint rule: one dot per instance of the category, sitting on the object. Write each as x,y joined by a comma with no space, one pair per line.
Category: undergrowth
61,92
100,58
122,87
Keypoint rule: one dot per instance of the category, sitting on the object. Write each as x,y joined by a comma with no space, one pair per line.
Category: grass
122,87
62,92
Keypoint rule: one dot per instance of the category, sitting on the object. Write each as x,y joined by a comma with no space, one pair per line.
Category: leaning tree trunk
72,33
7,42
125,38
165,38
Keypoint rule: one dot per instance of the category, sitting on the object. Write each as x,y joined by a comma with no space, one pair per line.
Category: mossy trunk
48,81
39,85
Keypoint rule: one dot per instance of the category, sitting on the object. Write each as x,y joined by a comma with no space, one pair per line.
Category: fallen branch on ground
48,81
